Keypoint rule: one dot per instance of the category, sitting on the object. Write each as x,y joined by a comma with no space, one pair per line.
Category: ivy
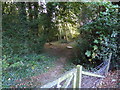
99,33
88,53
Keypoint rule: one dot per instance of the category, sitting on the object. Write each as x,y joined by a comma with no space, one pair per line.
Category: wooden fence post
76,74
79,76
108,63
74,81
58,84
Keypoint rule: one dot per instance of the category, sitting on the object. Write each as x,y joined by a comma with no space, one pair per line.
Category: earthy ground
58,50
112,80
63,54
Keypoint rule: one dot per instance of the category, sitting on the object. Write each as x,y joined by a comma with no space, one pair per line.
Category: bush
36,44
97,38
19,46
82,46
18,67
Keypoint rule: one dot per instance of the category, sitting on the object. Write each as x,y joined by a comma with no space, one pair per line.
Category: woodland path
63,55
57,50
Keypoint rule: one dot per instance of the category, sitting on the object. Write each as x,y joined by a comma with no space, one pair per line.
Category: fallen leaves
111,80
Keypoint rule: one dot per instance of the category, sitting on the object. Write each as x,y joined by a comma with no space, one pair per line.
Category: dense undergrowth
25,32
99,38
19,67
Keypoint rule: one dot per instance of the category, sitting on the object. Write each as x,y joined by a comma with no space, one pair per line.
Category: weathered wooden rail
75,75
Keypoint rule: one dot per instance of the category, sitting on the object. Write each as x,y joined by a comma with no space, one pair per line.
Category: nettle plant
101,33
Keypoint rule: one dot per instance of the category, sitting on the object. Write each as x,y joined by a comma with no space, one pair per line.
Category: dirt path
59,51
63,54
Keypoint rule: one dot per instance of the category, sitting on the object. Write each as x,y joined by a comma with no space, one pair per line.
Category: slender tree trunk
22,16
36,17
30,11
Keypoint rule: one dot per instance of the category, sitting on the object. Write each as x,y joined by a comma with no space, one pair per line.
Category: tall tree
35,4
23,17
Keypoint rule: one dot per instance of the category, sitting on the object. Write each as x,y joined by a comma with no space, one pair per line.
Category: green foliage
36,44
63,41
80,48
20,32
98,34
19,67
88,53
27,26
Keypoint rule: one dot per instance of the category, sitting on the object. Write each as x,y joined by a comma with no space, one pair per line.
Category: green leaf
93,55
32,67
100,38
17,64
95,47
90,60
96,41
88,53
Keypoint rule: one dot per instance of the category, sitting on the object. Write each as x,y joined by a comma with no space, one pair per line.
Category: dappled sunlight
43,40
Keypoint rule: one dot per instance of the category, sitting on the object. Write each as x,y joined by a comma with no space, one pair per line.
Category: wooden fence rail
75,74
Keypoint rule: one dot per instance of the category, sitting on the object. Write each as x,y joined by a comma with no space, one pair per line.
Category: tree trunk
36,17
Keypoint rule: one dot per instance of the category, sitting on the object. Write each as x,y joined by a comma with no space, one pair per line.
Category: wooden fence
75,75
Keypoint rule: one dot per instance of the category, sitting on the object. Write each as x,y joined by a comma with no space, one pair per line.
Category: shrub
97,40
36,44
19,67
